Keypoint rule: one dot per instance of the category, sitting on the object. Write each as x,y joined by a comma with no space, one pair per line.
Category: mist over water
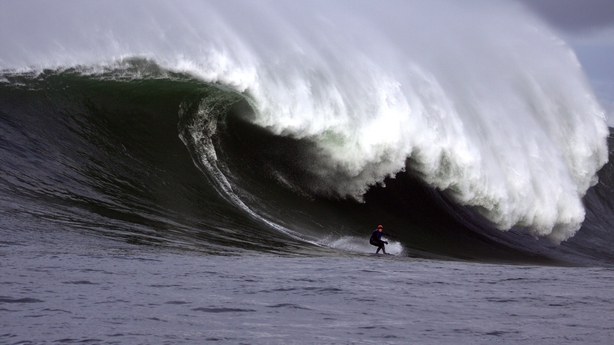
479,99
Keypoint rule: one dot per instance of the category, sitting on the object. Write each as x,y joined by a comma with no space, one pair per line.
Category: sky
588,27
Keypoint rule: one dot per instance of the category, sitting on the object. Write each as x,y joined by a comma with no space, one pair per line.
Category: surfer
376,239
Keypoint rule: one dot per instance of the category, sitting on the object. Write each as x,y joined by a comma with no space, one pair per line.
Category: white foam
361,245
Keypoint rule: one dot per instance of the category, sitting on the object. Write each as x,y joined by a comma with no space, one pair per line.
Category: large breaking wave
478,100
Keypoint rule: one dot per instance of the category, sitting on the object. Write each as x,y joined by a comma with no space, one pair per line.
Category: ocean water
200,171
80,290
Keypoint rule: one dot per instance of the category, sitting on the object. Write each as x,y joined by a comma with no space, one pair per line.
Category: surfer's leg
374,242
379,244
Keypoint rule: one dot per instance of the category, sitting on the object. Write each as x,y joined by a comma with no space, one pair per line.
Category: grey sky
588,26
575,15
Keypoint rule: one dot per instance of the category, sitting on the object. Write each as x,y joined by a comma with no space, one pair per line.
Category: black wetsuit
376,240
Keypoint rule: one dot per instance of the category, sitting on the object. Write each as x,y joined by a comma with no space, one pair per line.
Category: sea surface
204,172
72,289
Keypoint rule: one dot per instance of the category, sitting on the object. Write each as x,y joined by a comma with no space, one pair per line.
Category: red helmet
380,226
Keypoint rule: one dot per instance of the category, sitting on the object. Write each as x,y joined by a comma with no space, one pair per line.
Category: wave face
298,125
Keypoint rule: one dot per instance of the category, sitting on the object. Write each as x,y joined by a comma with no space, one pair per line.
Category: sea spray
497,114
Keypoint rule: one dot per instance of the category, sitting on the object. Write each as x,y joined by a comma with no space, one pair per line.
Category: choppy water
101,292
